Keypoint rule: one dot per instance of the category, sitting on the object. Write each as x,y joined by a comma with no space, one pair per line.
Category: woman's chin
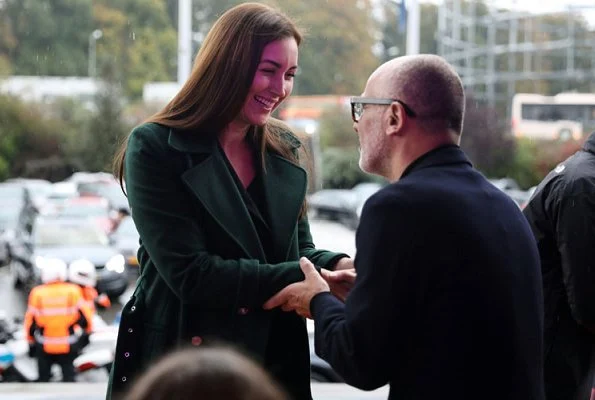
260,120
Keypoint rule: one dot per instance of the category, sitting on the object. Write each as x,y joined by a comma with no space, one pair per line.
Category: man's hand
340,282
297,296
344,263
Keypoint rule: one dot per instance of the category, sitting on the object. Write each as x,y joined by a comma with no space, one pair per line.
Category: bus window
563,116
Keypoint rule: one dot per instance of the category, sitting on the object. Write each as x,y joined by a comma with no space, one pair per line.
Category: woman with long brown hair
218,198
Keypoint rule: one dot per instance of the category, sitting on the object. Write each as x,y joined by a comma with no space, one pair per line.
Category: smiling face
272,83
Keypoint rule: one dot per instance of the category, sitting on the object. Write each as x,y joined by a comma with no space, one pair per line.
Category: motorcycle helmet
53,270
82,272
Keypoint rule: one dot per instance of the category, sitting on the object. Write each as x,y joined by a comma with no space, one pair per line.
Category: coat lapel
285,189
212,183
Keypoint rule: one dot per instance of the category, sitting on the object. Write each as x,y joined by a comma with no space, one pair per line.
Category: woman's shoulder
285,133
149,133
150,129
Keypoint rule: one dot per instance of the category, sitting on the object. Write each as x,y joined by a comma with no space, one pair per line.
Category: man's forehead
372,85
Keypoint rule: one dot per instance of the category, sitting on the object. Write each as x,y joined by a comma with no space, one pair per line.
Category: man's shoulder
393,198
574,176
578,173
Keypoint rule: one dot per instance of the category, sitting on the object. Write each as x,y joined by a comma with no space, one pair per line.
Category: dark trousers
45,362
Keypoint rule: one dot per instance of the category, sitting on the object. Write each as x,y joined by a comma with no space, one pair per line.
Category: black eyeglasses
357,106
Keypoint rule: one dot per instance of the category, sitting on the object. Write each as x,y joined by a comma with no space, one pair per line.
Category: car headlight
41,262
116,264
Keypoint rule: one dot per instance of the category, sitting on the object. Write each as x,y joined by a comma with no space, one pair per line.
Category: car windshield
11,192
69,234
8,215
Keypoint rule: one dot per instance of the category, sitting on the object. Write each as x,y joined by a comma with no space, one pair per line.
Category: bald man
447,301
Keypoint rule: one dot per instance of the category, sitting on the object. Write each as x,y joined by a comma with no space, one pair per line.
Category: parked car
333,204
60,192
107,188
94,207
68,240
343,205
9,217
505,184
39,189
363,191
126,240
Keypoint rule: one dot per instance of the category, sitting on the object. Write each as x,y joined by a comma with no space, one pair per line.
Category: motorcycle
17,366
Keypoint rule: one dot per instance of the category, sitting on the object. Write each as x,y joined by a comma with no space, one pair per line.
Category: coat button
127,354
132,308
196,340
123,379
130,330
243,310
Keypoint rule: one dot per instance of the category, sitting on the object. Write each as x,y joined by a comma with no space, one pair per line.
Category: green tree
336,56
45,37
336,130
485,140
27,137
105,130
139,42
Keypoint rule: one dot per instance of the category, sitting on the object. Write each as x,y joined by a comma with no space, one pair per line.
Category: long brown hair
221,78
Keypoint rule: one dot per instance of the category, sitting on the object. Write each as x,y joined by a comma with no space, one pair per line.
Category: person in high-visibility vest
83,273
56,313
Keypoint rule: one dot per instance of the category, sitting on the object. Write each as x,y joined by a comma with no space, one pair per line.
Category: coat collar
210,180
189,143
443,155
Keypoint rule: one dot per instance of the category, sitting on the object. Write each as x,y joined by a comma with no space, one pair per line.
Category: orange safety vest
92,297
54,311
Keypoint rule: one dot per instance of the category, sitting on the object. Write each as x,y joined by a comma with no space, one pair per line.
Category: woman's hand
340,281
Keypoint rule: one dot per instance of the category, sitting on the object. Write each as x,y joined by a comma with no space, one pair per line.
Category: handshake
297,296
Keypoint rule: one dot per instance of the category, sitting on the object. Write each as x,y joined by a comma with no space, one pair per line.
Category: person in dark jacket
218,198
561,213
447,299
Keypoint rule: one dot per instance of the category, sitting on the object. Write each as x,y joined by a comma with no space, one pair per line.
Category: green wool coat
205,275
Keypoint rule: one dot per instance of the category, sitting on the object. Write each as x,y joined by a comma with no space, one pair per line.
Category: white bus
561,117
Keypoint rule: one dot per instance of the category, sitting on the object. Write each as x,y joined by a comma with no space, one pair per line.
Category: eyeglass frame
383,102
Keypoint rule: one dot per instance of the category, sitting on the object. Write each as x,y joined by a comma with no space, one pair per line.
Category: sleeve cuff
318,302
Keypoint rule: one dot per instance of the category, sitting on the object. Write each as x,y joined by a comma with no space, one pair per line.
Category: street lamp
93,37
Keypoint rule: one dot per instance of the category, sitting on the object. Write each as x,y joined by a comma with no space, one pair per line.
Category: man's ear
395,119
